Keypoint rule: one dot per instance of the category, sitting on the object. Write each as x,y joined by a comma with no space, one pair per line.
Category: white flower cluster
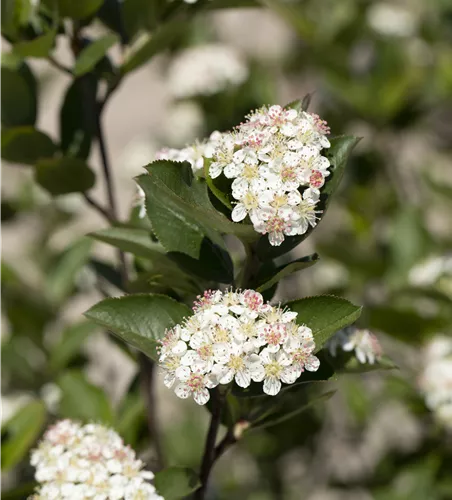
91,461
270,156
436,379
234,335
363,342
195,154
205,70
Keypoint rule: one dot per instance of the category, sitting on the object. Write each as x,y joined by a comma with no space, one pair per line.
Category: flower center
273,369
279,201
236,363
221,335
205,351
276,224
316,179
250,201
196,382
250,172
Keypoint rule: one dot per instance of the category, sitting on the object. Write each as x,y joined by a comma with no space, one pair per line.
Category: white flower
363,342
435,381
91,461
429,271
271,157
205,70
235,336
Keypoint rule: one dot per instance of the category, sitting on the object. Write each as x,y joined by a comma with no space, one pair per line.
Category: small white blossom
206,70
435,381
235,336
363,342
91,461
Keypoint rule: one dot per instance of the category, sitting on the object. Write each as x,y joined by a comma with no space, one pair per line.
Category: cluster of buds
91,461
365,344
235,336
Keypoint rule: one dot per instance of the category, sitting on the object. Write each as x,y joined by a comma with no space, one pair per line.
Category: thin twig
103,211
228,440
147,380
59,66
210,456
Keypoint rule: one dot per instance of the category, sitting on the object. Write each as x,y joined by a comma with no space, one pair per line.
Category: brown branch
103,211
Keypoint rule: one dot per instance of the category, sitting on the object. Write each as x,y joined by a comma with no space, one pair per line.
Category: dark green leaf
287,270
136,241
222,197
19,101
39,47
78,9
77,121
21,432
160,40
176,482
69,344
324,315
60,281
93,53
300,104
26,145
82,400
140,320
180,211
338,153
64,175
25,490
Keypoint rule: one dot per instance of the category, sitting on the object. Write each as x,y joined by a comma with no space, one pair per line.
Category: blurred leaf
21,432
93,53
39,47
78,9
409,240
26,145
160,40
132,414
21,492
61,278
140,320
300,104
107,272
324,315
405,325
354,366
337,154
72,338
19,99
176,482
81,400
444,189
293,14
287,270
77,122
64,175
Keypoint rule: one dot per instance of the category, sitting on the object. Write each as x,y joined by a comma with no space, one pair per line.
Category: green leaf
78,9
176,482
82,400
25,490
354,366
132,415
222,197
160,40
77,122
93,53
64,175
287,270
69,344
338,153
136,241
39,47
324,315
19,100
300,104
180,211
278,417
21,432
60,281
26,145
139,320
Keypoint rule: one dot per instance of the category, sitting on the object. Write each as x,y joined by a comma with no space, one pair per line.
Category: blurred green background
379,70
